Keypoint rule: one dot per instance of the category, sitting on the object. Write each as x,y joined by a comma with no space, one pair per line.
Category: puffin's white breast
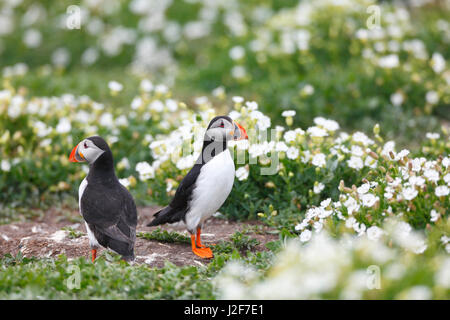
92,240
81,189
213,186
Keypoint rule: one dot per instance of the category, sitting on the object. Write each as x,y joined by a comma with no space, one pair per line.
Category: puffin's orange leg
199,241
201,252
94,254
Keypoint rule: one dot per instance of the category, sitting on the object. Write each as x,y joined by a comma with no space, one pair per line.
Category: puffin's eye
85,145
221,124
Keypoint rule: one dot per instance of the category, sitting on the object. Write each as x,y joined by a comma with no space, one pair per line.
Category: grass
164,236
112,278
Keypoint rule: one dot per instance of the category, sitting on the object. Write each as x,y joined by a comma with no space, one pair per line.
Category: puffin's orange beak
75,155
243,134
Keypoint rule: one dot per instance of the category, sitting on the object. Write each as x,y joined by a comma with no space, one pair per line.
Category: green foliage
164,236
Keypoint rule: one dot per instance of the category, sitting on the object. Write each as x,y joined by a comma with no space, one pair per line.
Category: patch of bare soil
45,237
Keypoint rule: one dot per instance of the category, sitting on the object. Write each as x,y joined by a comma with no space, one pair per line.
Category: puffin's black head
89,150
223,128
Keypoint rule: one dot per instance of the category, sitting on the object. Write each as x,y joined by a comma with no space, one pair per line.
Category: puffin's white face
221,130
225,129
86,151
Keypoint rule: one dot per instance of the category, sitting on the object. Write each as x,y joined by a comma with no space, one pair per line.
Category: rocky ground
45,237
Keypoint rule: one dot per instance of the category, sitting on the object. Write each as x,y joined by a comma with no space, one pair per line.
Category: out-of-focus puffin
207,185
106,205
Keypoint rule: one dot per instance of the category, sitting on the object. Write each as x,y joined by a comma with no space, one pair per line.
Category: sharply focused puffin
207,185
106,205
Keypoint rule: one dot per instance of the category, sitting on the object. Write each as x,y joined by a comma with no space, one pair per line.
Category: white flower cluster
340,269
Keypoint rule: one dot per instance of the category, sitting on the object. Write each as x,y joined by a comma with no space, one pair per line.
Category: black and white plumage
207,185
106,205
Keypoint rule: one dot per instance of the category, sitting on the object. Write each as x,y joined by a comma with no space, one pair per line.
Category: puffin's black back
108,207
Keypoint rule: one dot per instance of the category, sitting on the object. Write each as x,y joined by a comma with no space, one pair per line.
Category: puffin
107,207
207,185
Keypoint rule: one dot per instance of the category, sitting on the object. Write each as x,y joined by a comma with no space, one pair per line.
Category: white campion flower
403,234
124,163
363,189
397,99
389,61
409,193
15,107
115,86
431,175
236,53
319,160
432,135
145,171
302,225
441,191
89,56
401,154
306,156
288,113
234,115
387,148
369,200
355,163
307,90
136,103
327,124
63,126
317,132
5,165
161,89
318,187
292,153
370,162
362,138
447,178
106,120
289,136
418,293
237,99
171,105
252,105
432,97
157,106
32,38
41,129
416,181
352,205
305,236
242,173
280,146
434,215
61,57
357,151
437,62
146,85
374,233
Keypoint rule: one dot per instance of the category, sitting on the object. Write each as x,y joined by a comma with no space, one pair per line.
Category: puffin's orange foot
205,253
94,254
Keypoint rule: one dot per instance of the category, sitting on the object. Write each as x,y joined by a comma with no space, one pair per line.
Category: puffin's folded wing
113,213
114,232
184,191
